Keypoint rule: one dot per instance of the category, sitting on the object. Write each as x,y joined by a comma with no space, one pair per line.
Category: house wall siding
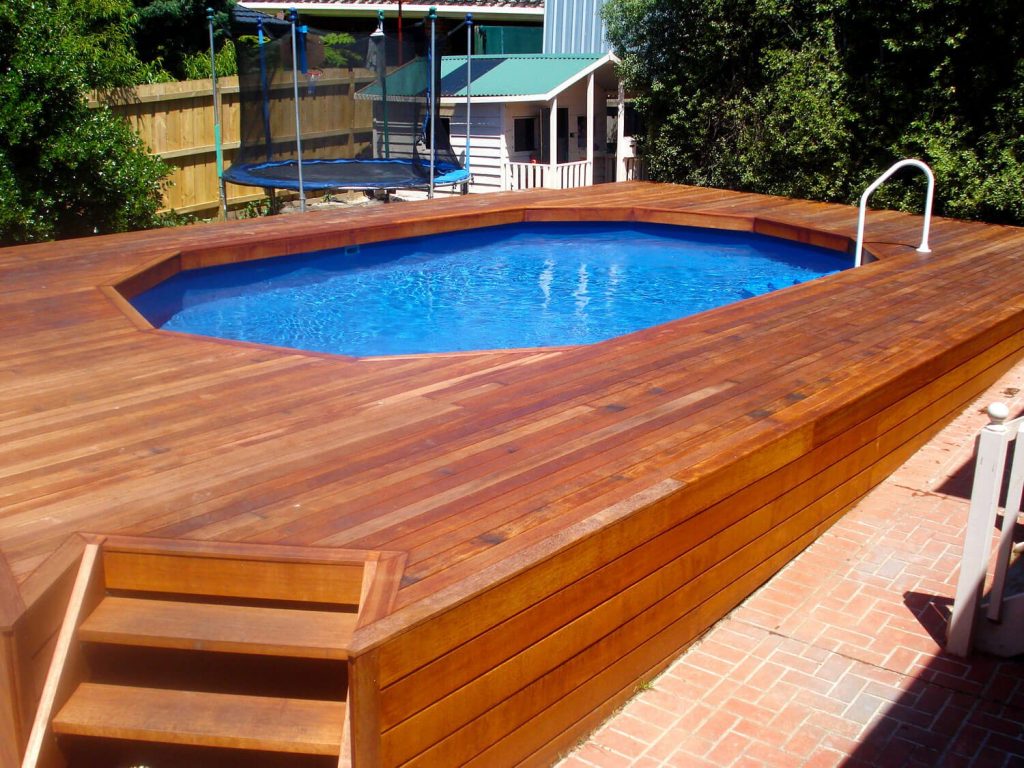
487,150
493,132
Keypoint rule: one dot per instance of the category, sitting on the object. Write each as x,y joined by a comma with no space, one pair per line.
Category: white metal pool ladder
930,196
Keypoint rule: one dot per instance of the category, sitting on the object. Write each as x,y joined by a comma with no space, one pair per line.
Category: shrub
66,169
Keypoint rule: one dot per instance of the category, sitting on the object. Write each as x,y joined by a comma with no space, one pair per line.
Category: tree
815,98
66,169
173,36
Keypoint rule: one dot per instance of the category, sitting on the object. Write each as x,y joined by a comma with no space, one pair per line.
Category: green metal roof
505,75
513,75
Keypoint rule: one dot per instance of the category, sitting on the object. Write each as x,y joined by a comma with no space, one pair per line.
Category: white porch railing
997,629
531,175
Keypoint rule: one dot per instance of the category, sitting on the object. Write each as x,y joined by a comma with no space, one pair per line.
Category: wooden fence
175,120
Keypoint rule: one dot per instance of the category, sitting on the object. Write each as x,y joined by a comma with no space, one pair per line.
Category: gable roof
496,78
519,77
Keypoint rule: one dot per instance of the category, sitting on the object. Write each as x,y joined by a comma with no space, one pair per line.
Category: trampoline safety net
364,110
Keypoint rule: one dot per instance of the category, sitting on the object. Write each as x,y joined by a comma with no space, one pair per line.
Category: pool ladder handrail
929,197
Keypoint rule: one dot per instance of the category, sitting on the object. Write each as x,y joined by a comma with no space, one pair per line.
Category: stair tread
298,726
218,627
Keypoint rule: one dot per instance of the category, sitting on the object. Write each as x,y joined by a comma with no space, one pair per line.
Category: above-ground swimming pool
521,285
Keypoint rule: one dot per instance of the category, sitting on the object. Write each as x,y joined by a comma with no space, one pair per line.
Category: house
517,103
501,112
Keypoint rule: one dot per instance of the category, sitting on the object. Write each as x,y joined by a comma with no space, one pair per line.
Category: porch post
620,136
552,181
590,131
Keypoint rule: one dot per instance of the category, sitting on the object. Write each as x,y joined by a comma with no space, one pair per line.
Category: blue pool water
523,285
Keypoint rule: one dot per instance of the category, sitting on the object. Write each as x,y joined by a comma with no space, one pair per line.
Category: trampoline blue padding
398,173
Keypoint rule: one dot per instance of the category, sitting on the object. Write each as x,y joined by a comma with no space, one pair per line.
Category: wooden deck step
295,633
297,726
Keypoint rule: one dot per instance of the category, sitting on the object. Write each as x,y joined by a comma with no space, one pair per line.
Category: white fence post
1004,550
988,478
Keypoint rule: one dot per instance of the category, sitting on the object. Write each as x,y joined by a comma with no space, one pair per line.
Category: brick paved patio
838,659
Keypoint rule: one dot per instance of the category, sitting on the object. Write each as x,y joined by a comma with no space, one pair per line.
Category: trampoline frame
441,174
244,175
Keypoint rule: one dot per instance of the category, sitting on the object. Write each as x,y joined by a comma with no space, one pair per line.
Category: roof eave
480,12
575,78
593,67
456,100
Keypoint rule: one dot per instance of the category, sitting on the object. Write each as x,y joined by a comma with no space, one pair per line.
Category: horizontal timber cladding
518,679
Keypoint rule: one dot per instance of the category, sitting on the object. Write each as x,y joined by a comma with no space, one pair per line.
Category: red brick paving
837,660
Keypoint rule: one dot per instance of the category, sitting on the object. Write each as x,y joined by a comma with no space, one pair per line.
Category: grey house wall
574,26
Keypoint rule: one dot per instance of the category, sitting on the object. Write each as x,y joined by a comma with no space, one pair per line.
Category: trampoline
324,111
351,174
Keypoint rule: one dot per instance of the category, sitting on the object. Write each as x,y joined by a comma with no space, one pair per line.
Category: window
525,134
444,127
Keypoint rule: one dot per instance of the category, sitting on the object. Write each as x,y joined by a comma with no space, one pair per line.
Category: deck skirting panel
645,602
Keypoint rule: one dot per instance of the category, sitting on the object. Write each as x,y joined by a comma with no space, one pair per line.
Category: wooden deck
568,519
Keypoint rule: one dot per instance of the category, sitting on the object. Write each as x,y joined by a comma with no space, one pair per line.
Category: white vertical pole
553,145
988,480
433,96
294,15
590,131
620,135
217,139
469,86
1011,511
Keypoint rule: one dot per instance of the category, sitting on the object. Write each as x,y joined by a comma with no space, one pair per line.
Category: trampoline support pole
218,144
268,140
469,86
433,101
382,76
293,16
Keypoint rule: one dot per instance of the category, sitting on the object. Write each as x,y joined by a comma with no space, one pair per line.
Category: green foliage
173,36
338,49
815,98
196,66
66,169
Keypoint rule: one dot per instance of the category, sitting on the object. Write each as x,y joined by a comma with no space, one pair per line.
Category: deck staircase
177,655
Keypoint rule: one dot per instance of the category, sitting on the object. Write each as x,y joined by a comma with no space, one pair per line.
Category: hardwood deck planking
581,478
479,467
489,648
651,422
563,510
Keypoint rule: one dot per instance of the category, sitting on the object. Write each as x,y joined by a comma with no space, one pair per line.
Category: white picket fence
997,627
517,176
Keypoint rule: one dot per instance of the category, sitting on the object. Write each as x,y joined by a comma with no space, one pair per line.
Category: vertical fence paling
573,175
